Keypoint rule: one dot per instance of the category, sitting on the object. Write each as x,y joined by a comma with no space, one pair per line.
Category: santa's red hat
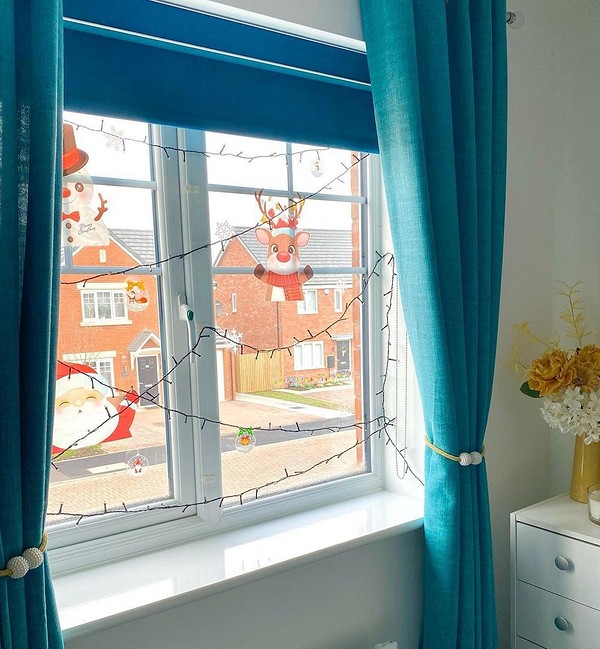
77,375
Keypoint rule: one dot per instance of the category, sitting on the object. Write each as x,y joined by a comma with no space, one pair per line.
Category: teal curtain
438,75
30,193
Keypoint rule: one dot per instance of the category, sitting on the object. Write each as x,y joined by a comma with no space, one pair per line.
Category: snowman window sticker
81,219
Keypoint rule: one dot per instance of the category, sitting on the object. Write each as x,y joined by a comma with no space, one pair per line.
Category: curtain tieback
31,558
464,459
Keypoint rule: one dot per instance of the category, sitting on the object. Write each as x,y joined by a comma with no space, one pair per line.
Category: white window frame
197,472
94,290
307,309
338,300
299,355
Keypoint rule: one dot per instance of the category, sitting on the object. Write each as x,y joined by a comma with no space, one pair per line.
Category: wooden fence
256,374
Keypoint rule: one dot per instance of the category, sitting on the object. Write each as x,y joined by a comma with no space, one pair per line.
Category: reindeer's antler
294,210
262,205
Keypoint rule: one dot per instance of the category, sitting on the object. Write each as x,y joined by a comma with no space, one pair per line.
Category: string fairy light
221,242
379,425
376,426
114,135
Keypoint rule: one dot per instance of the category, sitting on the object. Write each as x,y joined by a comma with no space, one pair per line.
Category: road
111,462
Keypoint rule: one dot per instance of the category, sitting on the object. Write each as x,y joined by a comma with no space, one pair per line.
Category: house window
99,306
200,377
309,303
308,356
104,368
338,303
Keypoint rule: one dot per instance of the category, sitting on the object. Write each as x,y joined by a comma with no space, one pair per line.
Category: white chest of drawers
555,577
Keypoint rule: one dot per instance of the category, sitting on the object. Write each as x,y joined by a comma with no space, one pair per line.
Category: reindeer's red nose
283,256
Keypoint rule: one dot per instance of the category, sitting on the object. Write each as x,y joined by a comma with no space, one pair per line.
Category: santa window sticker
282,272
83,414
82,214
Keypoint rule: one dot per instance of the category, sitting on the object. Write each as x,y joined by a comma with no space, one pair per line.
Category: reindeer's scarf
289,283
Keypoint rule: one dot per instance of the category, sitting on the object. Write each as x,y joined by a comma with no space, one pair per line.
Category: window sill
105,322
104,596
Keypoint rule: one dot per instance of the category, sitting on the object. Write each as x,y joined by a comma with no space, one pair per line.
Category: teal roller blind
149,61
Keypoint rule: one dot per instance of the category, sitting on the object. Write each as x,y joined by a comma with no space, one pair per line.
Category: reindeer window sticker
81,221
282,272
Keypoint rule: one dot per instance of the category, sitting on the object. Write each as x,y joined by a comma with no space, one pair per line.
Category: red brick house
240,305
97,329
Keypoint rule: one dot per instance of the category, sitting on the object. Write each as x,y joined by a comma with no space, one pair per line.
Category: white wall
552,234
353,600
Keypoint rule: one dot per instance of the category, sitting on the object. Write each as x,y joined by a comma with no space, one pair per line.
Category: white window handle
186,314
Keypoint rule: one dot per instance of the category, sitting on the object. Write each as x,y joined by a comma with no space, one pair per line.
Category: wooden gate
257,374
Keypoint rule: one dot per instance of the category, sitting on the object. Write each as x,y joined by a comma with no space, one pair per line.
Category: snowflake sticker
234,341
224,230
345,412
114,139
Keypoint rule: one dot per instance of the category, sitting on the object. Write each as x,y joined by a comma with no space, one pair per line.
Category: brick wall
268,325
75,338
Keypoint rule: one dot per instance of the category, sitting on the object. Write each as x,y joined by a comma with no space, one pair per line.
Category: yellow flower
551,372
586,364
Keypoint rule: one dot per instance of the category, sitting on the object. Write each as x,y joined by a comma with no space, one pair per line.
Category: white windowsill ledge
104,596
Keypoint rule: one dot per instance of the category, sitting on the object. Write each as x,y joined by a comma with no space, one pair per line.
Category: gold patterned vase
586,469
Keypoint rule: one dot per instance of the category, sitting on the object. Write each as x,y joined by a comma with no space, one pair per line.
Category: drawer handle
562,563
561,624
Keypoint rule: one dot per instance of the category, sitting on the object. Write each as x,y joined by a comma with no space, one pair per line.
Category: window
338,297
103,307
309,304
308,356
186,368
105,369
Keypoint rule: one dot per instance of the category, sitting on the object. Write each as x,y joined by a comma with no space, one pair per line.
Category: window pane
89,306
224,170
315,171
101,428
119,305
108,155
104,305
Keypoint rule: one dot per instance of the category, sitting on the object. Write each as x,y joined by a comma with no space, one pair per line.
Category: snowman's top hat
73,158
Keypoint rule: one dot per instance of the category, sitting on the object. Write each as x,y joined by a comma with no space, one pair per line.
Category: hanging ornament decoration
137,465
345,412
316,168
81,219
282,273
137,297
245,440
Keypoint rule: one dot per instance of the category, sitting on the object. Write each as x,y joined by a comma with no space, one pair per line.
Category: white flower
573,411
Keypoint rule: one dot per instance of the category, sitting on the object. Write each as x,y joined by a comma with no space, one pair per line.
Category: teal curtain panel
438,79
30,193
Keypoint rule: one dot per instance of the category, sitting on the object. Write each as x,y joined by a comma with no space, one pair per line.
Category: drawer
538,613
559,564
525,644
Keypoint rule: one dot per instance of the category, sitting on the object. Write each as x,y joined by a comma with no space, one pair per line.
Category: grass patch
86,451
300,398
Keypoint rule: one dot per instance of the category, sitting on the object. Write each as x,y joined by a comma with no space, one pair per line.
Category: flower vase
586,468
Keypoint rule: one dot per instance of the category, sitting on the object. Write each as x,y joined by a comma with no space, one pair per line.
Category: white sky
132,208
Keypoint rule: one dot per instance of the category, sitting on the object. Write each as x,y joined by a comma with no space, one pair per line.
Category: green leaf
525,389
